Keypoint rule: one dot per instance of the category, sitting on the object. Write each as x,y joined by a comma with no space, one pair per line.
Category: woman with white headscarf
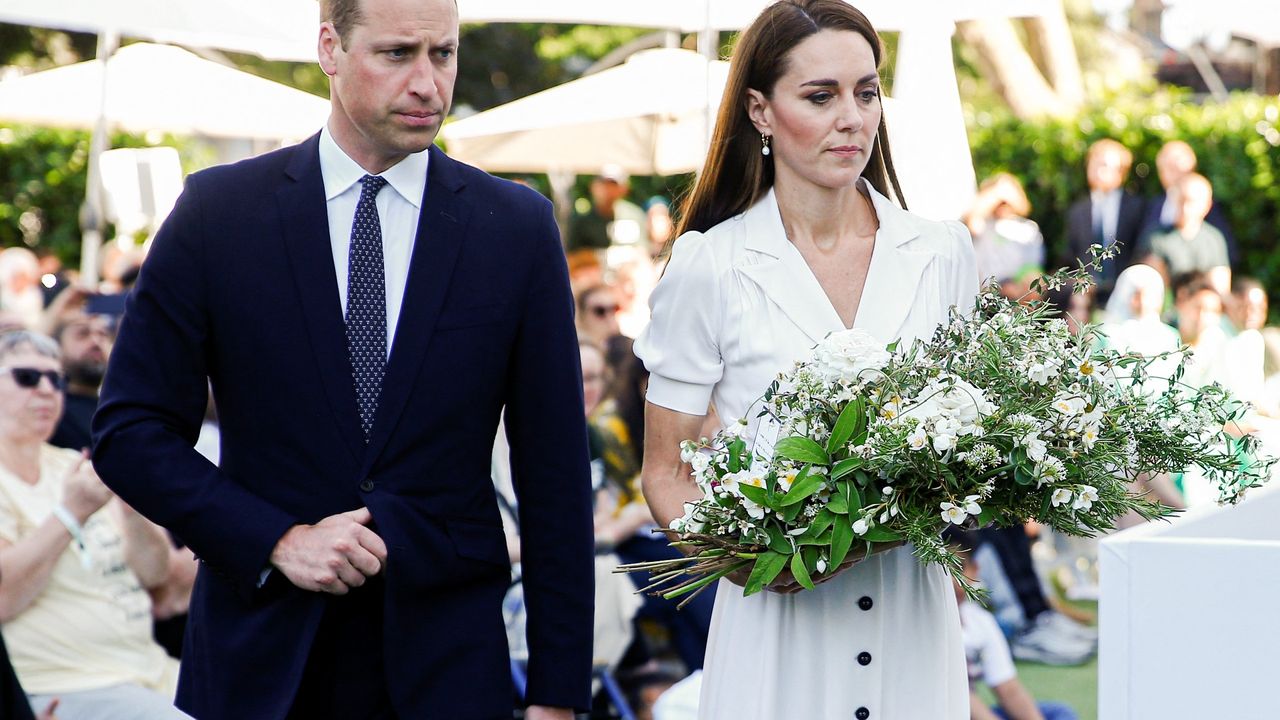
1132,321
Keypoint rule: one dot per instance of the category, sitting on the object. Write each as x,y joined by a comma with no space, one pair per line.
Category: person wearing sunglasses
598,308
75,564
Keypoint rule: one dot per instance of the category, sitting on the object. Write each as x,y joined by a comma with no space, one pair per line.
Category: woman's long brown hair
736,175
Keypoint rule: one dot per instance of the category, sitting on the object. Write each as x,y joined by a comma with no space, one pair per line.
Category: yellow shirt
91,627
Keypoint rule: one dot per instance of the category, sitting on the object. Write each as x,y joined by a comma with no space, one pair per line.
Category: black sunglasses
30,377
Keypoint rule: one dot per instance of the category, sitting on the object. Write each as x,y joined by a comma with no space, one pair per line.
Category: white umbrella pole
93,214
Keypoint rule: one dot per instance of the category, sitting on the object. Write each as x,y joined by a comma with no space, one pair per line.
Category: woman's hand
83,492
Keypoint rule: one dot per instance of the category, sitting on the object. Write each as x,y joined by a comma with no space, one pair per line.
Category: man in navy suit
364,307
1107,216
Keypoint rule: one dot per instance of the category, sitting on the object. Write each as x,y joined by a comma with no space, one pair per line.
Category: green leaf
778,540
768,565
801,572
802,487
851,417
757,495
791,512
736,449
820,523
838,504
846,466
841,541
1023,476
986,517
852,496
801,449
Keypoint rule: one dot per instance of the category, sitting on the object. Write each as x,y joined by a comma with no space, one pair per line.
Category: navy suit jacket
239,287
1079,232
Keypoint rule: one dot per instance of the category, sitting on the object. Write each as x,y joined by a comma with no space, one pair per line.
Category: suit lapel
892,278
442,226
305,220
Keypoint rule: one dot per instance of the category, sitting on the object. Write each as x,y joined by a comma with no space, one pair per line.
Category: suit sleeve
152,404
546,428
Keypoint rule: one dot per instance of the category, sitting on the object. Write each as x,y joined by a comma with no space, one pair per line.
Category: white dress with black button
737,305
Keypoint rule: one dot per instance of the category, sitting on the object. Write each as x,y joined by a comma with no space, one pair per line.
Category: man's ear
328,47
757,106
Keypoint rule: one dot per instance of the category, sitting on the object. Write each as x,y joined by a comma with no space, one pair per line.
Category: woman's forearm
26,566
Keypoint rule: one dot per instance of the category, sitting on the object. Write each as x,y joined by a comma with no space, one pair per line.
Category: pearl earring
764,144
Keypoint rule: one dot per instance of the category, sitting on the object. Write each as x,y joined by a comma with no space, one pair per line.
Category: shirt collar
340,172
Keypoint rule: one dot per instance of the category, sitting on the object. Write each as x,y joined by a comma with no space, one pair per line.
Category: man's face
1198,312
393,81
1106,170
86,345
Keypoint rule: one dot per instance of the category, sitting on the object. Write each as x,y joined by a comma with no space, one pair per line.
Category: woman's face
599,317
592,377
824,113
28,415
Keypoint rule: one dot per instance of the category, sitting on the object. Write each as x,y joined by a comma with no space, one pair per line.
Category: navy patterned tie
367,304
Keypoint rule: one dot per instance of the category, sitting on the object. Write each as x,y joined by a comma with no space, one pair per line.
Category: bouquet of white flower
1004,415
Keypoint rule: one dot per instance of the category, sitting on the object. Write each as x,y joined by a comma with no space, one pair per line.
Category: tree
1053,86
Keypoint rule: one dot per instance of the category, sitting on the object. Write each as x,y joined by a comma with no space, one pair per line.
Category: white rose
850,355
943,443
954,406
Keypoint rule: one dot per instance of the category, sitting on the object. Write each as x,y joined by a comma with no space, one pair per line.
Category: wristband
69,521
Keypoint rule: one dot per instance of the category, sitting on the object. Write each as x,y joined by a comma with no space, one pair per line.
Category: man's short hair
344,14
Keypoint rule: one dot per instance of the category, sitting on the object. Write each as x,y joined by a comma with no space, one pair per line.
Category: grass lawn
1077,686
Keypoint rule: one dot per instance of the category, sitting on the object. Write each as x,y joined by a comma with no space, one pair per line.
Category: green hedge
42,182
1237,143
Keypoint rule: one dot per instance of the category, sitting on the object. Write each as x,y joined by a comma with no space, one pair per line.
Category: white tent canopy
273,29
648,115
699,15
160,87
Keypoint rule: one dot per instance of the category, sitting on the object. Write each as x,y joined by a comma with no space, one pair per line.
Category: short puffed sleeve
680,347
964,269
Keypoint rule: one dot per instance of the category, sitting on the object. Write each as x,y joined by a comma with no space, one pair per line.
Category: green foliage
1237,142
42,185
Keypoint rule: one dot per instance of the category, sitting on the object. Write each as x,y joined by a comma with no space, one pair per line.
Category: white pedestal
1189,616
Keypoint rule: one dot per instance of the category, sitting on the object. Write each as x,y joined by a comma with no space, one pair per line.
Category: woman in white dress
788,236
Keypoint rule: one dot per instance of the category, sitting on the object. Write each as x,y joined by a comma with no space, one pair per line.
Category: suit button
865,603
864,658
366,485
862,713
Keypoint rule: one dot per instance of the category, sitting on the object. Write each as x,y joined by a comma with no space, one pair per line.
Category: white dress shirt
1106,212
398,212
737,305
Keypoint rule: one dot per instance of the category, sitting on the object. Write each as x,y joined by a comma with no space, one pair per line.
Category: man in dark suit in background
1106,216
364,308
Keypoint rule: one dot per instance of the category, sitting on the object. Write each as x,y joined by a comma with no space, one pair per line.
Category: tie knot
373,183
